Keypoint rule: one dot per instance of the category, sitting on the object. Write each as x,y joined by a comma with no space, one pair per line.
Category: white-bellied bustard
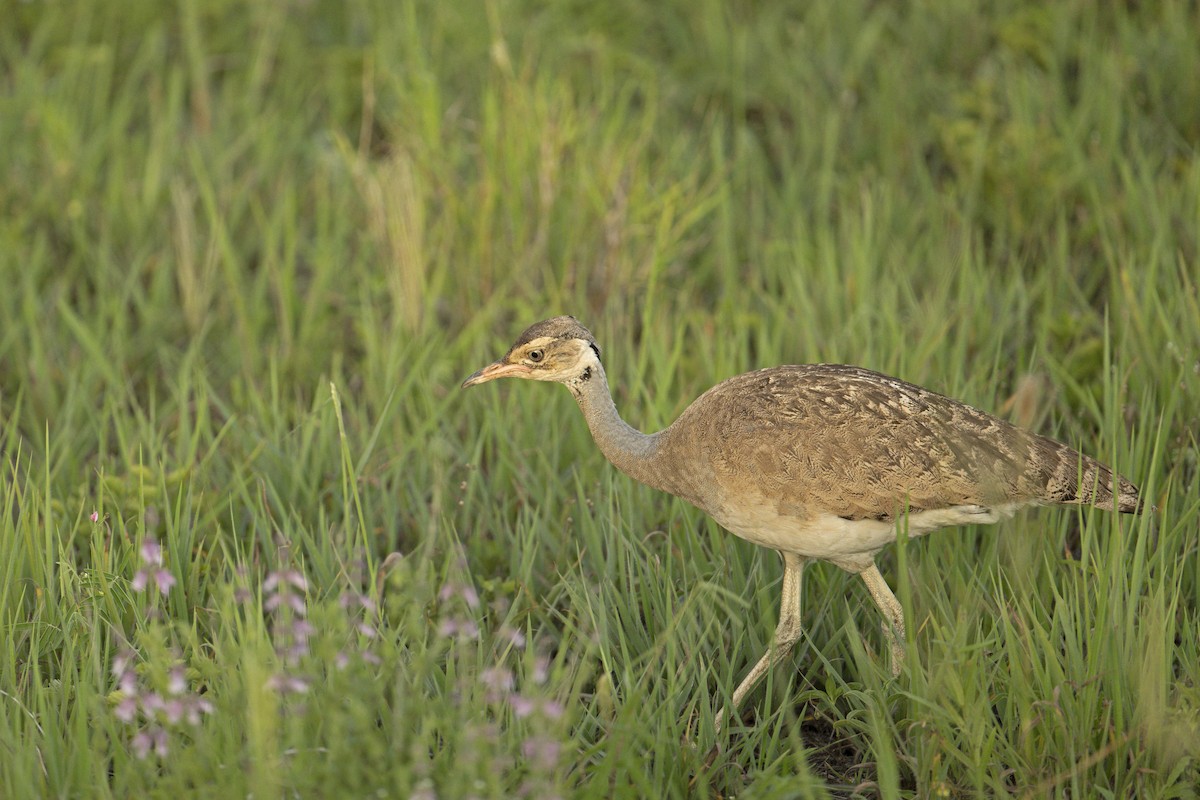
820,461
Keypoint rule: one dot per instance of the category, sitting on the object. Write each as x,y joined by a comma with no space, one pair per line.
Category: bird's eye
536,355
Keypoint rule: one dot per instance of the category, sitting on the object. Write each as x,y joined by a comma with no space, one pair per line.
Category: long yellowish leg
787,633
893,614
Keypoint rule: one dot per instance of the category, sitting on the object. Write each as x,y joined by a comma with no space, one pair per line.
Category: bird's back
822,439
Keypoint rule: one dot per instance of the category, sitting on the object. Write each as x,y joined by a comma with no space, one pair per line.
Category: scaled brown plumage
862,445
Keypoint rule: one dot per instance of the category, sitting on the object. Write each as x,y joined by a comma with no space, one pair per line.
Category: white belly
826,536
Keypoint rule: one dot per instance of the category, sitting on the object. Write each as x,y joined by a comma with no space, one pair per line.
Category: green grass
249,253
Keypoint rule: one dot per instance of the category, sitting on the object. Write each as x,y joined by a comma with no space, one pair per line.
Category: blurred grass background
249,250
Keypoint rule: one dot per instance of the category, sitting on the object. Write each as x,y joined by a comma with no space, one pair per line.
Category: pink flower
160,743
515,637
497,679
290,576
152,556
151,551
522,706
178,680
165,580
459,628
287,684
121,662
126,710
541,669
196,708
152,703
95,516
173,710
544,752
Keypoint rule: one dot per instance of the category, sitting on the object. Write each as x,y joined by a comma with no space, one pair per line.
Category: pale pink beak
497,370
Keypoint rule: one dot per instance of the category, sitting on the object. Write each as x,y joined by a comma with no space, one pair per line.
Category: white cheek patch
585,370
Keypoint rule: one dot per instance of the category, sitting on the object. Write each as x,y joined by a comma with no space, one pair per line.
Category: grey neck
629,450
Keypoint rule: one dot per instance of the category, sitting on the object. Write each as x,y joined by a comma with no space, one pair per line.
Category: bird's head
557,349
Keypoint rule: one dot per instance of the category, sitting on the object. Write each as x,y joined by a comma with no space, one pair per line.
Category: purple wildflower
173,710
165,580
522,706
498,680
121,662
514,637
542,751
279,580
348,600
151,552
199,706
462,629
141,744
287,684
160,742
465,591
144,706
152,559
294,652
178,680
152,703
126,710
541,669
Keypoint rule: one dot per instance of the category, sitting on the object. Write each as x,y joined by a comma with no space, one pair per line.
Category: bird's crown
564,327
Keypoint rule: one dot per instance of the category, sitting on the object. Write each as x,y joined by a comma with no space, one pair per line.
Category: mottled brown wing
859,444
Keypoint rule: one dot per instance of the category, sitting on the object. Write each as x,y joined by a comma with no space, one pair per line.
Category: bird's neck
629,450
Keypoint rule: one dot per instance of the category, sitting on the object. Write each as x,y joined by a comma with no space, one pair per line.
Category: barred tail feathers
1077,479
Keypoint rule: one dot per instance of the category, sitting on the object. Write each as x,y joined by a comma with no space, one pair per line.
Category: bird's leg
893,614
787,632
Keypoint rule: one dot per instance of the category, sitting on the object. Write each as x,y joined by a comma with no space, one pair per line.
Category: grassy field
254,541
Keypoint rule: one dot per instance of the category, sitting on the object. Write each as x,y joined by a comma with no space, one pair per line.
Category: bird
820,462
